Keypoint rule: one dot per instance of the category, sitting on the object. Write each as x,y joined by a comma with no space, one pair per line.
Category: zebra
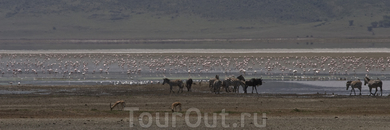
235,82
211,82
176,82
373,84
217,85
226,84
354,84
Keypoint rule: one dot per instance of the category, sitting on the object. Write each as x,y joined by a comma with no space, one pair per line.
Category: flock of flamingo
131,68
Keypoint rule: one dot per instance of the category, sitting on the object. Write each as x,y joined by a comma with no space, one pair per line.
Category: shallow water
312,87
144,66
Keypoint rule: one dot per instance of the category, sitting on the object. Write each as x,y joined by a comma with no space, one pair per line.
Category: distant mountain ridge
139,19
266,10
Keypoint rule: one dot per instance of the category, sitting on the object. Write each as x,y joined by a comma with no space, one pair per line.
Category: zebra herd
367,81
215,84
178,83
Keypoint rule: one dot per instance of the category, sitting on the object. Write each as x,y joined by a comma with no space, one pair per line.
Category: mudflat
87,107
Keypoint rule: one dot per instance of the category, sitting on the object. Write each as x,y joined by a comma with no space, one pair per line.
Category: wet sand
87,107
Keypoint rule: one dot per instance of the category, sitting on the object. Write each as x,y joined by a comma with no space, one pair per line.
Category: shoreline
85,109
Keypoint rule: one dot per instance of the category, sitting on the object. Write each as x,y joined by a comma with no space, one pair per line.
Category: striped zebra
373,84
176,82
211,82
217,86
235,82
355,84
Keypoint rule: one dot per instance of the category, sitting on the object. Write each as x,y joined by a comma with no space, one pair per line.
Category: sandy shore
87,107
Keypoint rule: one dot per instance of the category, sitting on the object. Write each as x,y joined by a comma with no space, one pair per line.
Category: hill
161,19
